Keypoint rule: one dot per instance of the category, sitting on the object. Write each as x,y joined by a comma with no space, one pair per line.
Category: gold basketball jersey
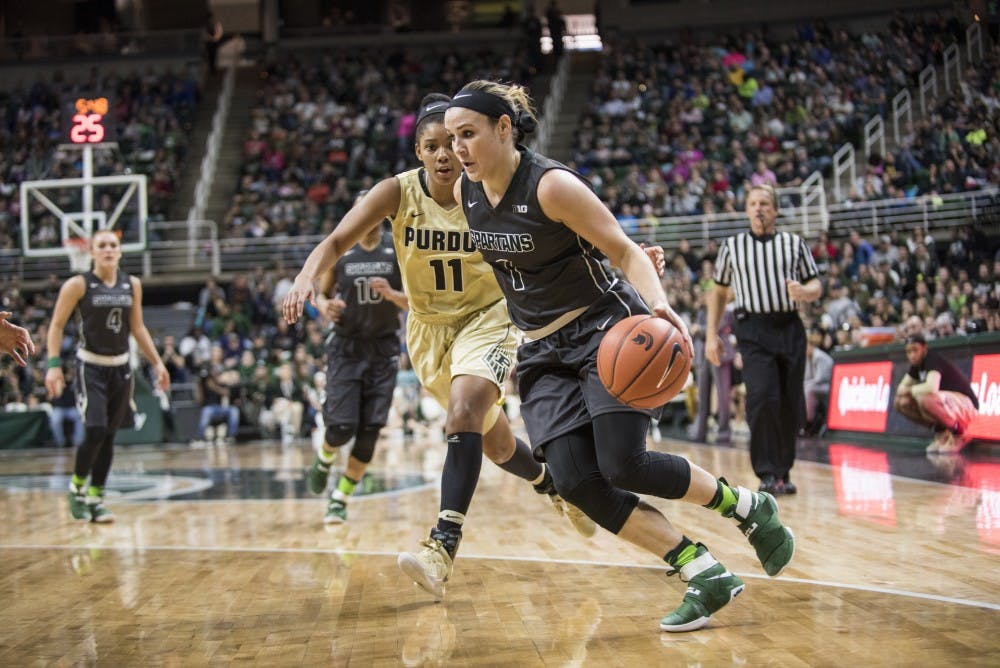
444,276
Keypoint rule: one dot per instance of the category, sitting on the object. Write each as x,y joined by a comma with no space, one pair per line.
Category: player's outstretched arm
381,202
70,294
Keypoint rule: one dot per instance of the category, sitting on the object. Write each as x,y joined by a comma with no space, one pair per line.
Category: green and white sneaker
710,587
78,507
318,475
757,514
99,514
336,511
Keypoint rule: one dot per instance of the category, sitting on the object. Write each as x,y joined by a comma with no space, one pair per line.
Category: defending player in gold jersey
459,336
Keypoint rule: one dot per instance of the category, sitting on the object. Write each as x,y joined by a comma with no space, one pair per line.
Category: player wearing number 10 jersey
362,359
459,336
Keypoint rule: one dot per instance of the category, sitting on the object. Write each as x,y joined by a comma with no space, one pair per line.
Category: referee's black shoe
786,486
770,484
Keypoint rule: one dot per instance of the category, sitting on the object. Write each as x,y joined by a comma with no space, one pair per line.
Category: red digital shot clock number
88,127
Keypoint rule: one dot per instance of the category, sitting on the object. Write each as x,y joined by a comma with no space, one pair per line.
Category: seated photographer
934,393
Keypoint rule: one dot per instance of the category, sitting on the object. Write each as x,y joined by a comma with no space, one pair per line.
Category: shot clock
90,121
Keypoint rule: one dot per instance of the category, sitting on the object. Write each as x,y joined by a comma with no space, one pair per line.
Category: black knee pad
672,474
338,434
577,478
364,444
609,506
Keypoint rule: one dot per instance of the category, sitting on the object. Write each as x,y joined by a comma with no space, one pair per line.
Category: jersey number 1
440,276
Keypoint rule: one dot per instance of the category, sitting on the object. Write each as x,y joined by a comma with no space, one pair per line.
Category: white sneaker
954,443
584,526
429,568
942,442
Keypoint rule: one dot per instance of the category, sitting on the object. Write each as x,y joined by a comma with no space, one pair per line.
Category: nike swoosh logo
470,204
460,95
436,105
605,323
673,355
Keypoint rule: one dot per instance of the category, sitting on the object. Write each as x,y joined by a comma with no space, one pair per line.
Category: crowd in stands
684,127
329,124
253,369
150,117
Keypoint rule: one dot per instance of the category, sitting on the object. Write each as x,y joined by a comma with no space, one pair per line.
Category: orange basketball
644,361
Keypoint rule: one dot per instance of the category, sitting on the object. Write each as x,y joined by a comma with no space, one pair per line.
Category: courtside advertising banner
864,384
985,383
859,396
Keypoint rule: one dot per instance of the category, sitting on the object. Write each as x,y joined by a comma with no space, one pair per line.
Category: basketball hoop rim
78,250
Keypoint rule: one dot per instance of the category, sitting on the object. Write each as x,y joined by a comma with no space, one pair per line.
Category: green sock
95,491
78,482
724,501
346,485
682,554
325,455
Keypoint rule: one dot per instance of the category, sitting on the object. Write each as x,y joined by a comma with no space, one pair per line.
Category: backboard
55,211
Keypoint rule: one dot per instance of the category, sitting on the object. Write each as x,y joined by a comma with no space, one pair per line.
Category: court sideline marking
543,560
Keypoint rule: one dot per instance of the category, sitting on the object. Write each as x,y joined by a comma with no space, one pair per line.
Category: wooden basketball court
220,556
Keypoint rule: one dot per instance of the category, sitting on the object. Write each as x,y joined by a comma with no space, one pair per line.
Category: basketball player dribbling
108,306
544,232
458,334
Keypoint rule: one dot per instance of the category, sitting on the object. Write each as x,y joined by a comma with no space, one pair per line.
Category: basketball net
78,250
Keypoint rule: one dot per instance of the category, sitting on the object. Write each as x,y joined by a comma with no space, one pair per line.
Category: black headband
431,109
489,104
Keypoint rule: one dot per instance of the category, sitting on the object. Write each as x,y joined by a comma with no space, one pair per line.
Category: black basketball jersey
543,267
104,313
952,380
368,315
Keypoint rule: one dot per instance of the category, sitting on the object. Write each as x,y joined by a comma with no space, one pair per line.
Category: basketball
644,361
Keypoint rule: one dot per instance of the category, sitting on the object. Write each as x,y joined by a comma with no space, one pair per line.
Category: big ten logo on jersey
498,360
88,121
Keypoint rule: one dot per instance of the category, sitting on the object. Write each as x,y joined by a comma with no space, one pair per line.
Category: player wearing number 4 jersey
108,306
458,334
545,233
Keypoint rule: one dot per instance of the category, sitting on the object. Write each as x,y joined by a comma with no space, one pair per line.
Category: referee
769,273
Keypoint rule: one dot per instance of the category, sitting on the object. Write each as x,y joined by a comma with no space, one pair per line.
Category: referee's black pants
773,348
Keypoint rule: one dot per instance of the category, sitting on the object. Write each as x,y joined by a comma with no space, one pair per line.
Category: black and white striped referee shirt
756,269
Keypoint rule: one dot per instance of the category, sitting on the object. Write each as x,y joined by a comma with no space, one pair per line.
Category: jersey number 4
441,275
114,321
